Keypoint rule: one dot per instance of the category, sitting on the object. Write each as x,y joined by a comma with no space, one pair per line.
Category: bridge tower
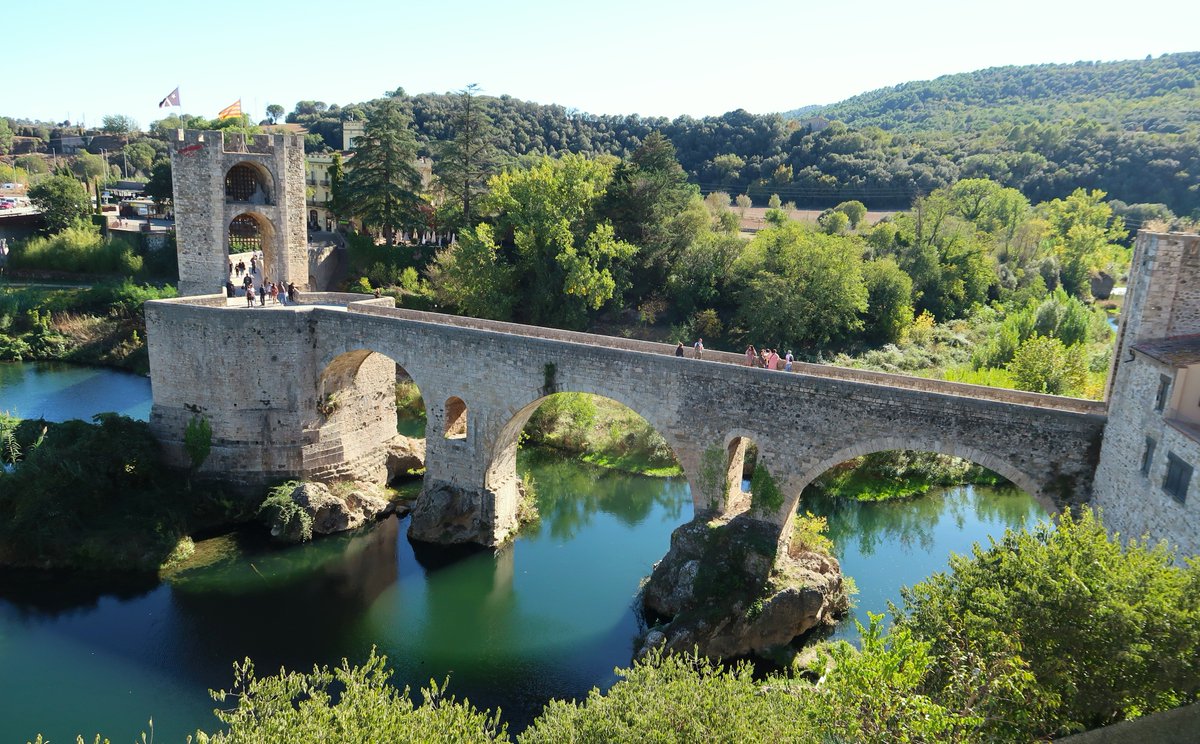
238,193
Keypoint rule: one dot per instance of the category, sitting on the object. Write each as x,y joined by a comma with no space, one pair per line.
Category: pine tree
382,182
466,160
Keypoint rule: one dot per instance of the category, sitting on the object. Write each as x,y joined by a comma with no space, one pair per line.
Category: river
550,616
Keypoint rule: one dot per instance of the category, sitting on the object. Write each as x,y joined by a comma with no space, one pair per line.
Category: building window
1179,475
1164,385
1148,456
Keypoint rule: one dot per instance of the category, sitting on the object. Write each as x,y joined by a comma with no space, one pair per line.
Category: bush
278,509
88,496
344,704
77,248
1107,632
675,699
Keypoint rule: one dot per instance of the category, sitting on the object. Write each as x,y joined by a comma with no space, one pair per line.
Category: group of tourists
764,359
769,359
257,287
279,294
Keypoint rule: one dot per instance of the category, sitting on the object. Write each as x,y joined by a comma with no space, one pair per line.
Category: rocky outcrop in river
723,590
316,509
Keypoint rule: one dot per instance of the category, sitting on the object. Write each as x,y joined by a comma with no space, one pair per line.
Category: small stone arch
456,418
735,491
1018,477
249,183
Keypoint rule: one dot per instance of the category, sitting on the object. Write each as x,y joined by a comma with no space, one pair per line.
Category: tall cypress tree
382,181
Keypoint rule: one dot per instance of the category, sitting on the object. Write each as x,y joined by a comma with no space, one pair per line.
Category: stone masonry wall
1134,503
266,423
200,162
1163,301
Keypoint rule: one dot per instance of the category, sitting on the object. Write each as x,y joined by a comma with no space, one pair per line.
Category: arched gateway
482,379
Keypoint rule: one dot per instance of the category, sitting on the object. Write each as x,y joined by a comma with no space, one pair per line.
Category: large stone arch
1017,476
502,455
353,415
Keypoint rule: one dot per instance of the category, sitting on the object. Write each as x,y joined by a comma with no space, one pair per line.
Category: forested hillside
1152,95
1131,129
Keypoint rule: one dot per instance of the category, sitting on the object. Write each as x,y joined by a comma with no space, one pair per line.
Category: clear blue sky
652,57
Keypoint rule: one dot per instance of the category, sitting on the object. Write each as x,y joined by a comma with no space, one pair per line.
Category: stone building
236,193
1144,482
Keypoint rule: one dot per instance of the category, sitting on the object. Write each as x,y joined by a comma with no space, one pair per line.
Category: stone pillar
464,500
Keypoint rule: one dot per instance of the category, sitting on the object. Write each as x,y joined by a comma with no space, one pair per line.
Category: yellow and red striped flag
232,111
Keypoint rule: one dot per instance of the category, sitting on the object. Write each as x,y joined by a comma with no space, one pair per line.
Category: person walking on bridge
751,355
698,347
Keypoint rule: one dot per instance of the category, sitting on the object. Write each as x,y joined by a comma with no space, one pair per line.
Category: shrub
1107,631
344,704
77,248
280,510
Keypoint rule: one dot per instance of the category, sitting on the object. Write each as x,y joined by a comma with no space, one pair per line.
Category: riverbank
102,325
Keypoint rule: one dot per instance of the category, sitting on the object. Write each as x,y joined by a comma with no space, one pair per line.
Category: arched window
456,418
246,183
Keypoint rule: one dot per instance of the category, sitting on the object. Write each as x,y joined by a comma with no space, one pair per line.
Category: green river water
550,616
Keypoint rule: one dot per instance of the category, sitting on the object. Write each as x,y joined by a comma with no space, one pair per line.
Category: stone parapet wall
922,384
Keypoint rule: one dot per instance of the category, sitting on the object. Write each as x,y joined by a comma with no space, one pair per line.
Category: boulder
722,590
1102,285
326,511
404,454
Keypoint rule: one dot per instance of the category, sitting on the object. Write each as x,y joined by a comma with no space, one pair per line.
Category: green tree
1085,237
161,186
854,211
62,199
571,263
470,276
89,167
798,286
33,164
6,137
1045,365
833,222
381,187
275,112
1107,631
468,158
701,276
119,124
337,185
889,301
651,204
140,155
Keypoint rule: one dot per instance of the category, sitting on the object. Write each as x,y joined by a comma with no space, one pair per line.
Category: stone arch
736,494
1018,477
502,458
355,412
247,182
455,418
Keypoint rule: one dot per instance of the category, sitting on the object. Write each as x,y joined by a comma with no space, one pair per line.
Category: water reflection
59,392
570,494
884,546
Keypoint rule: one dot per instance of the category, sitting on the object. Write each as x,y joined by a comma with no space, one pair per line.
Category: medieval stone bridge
308,392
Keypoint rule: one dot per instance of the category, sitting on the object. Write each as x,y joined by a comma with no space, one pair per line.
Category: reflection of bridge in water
308,392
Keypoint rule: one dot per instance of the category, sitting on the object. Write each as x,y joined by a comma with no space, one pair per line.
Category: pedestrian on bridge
698,347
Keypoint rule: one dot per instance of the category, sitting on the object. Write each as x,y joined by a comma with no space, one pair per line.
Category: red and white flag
172,99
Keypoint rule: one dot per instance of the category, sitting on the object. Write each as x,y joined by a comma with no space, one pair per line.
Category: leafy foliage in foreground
293,706
1107,632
